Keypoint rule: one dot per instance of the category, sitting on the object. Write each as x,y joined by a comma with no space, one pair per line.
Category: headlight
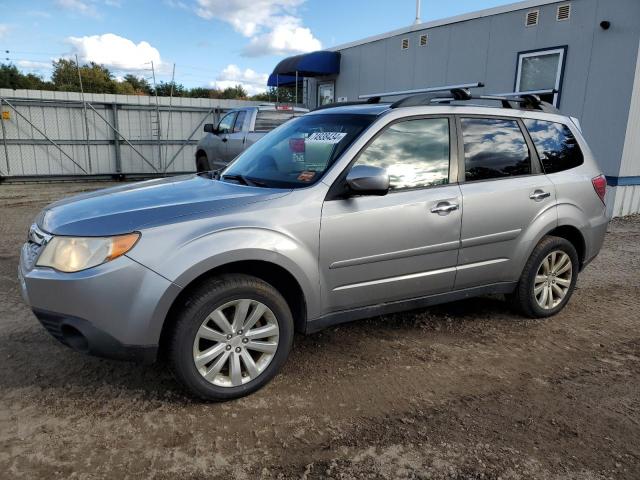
72,254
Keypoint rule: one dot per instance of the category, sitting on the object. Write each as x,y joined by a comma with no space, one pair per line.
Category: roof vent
564,12
423,40
405,43
532,18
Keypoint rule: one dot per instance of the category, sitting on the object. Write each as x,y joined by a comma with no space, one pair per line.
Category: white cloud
247,16
4,30
232,75
116,52
79,6
274,26
289,37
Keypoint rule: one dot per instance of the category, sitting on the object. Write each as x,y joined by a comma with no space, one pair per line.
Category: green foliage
95,78
281,94
139,84
11,77
98,79
166,89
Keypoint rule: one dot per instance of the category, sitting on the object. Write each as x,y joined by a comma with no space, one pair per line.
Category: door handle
444,208
539,195
224,139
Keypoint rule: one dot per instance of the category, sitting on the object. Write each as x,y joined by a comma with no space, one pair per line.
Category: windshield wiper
237,178
244,180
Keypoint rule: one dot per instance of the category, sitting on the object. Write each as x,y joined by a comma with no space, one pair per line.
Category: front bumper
114,310
82,336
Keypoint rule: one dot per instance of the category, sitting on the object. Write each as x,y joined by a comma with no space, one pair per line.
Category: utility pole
173,77
153,73
86,118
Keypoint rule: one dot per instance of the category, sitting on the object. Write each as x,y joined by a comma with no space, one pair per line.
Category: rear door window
267,120
557,147
494,148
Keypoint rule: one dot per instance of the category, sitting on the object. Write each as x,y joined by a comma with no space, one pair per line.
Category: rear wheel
232,337
548,279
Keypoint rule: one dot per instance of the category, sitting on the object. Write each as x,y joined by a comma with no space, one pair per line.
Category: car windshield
298,153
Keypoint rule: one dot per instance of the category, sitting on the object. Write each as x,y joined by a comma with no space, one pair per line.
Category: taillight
600,186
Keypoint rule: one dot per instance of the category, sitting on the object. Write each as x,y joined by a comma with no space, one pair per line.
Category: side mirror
368,180
209,128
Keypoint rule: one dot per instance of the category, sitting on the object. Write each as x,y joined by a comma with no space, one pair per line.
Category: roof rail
528,100
371,101
422,90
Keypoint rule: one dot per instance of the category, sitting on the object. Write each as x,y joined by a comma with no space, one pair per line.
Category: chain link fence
56,134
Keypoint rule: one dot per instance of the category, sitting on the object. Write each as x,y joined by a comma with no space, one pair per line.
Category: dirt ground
467,390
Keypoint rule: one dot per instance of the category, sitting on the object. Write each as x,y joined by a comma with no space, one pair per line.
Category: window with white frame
541,70
326,92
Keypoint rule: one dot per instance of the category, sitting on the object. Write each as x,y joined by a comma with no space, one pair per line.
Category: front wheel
202,163
233,336
548,279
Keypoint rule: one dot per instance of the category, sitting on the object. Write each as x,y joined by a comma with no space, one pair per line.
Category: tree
281,94
11,77
237,92
139,84
166,89
95,78
98,79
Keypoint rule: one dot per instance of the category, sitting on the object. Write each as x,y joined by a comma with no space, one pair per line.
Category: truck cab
237,130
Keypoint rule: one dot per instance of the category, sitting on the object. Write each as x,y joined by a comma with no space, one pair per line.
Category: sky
213,43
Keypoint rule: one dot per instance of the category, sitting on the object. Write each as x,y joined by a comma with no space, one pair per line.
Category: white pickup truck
237,131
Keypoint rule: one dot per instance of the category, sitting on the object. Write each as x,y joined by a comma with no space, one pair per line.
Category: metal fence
52,134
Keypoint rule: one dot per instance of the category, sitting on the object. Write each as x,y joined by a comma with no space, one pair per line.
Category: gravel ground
467,390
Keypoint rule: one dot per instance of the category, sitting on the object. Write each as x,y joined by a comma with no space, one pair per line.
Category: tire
529,293
197,335
202,163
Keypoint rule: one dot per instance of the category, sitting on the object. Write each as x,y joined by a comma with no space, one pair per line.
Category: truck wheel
202,163
232,336
548,279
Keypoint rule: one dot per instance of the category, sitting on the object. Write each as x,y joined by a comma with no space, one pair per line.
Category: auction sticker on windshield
325,137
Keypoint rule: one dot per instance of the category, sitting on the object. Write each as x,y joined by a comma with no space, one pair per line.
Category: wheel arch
276,275
200,152
574,236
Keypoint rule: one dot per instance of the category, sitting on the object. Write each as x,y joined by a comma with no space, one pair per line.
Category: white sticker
325,137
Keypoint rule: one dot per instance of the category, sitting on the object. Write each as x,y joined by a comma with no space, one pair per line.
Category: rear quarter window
267,120
557,147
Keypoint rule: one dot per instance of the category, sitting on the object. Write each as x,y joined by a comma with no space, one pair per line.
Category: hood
131,207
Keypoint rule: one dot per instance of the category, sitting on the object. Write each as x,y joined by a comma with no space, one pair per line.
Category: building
588,50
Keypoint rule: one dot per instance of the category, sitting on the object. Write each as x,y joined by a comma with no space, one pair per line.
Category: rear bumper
82,336
595,238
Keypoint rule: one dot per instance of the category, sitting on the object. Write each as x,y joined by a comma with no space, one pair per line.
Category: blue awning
281,80
312,64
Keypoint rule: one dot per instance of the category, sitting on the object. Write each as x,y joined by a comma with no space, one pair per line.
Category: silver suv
343,213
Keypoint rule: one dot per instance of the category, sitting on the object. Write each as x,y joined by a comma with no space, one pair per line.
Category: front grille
36,240
30,254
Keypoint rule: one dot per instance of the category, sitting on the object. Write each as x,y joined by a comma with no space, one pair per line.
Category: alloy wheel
553,279
236,342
